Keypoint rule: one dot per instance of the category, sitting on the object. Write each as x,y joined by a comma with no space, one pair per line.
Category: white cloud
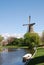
40,33
6,35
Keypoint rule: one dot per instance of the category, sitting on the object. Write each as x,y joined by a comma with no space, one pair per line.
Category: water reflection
4,50
1,59
12,56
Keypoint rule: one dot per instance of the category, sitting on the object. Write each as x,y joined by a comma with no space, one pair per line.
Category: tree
12,41
31,39
21,41
1,38
42,38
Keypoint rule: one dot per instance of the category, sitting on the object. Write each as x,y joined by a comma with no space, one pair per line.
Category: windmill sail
30,26
29,19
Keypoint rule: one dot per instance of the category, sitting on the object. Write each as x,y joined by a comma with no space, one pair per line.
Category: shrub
31,39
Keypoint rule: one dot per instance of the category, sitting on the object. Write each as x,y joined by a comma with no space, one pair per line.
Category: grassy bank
1,47
15,46
40,52
38,58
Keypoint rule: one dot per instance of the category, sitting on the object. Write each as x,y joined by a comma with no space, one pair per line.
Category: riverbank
2,47
15,46
38,58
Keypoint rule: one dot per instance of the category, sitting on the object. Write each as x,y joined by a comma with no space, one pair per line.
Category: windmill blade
28,29
25,24
32,24
29,19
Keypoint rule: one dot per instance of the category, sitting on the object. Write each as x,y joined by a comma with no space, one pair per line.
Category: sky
15,13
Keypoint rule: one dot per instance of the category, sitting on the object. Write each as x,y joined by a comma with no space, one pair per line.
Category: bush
31,39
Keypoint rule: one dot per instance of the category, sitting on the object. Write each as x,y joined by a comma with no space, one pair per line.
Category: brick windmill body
30,26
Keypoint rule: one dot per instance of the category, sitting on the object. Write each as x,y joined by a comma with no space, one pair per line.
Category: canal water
12,56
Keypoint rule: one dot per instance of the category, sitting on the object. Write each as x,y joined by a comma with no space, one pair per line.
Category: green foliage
21,41
1,38
31,39
16,41
42,38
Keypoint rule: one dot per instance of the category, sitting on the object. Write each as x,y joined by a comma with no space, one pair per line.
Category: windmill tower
30,26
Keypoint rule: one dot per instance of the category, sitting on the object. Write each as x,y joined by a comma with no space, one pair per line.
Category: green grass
40,64
40,52
15,46
38,58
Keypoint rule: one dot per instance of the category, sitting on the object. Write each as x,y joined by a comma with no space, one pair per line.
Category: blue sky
14,13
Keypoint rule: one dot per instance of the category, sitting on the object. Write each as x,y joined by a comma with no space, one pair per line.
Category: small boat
26,57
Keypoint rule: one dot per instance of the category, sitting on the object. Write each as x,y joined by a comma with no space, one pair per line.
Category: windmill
30,26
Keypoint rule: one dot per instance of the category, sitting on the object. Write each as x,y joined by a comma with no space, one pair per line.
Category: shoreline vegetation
15,46
38,57
30,41
2,47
